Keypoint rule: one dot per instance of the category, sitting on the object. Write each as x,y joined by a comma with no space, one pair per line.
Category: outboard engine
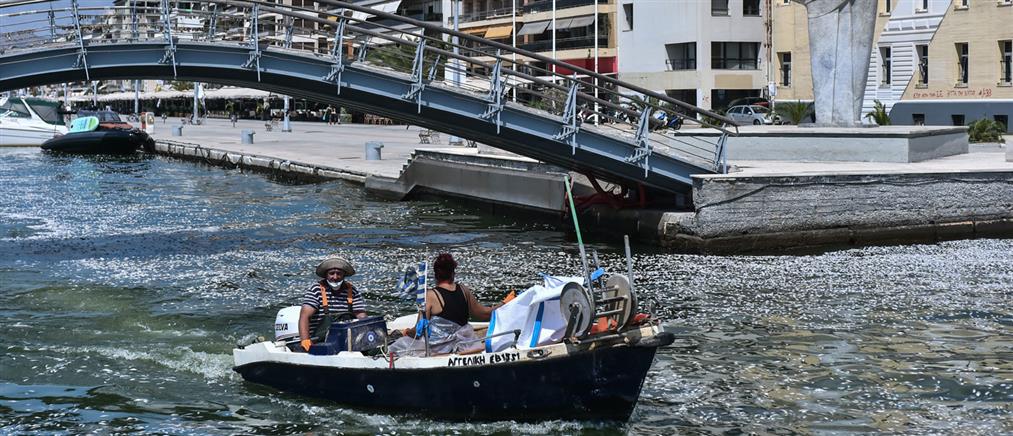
286,324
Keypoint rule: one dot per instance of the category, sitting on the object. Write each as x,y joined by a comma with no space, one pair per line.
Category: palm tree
794,112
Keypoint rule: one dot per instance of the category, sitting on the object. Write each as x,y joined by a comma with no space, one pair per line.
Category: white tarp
535,312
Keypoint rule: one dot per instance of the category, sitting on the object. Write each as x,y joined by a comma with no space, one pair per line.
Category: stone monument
840,41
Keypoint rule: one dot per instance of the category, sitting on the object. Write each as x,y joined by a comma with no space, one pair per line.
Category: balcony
486,15
680,64
546,5
565,44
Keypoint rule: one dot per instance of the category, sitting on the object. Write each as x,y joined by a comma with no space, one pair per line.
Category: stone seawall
758,213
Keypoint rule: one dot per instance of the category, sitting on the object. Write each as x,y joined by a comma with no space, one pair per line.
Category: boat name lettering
482,359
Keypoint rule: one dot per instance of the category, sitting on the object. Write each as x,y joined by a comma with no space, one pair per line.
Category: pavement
340,146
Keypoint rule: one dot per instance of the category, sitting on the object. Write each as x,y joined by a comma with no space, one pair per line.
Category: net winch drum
286,324
357,335
581,307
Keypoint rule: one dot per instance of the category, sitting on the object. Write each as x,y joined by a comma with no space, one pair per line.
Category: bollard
373,150
177,130
247,136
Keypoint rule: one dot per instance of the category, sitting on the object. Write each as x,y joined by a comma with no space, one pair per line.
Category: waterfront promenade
761,205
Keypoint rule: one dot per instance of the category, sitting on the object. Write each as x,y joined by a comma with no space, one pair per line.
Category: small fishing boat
99,132
570,348
26,121
597,378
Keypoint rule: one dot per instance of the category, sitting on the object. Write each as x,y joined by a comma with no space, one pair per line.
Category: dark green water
124,284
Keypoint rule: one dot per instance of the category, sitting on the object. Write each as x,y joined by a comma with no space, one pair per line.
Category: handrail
612,100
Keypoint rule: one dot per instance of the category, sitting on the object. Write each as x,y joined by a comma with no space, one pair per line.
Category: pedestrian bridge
397,67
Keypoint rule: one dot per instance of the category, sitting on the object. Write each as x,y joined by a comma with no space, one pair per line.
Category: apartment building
935,62
706,53
560,29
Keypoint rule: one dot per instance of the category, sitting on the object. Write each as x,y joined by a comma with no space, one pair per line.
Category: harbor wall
731,214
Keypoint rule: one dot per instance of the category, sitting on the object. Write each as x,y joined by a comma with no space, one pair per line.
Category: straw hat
335,262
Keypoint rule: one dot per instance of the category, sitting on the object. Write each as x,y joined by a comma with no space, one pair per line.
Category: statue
840,41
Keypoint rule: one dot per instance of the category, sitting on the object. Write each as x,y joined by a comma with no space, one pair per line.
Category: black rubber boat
98,142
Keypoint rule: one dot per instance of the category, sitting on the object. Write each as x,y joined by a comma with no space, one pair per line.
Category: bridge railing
426,53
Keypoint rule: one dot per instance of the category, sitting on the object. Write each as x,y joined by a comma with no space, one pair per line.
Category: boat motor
286,325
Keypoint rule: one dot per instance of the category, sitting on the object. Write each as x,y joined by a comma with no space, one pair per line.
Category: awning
499,32
533,28
477,31
579,22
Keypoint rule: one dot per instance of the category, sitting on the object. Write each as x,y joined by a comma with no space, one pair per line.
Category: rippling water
124,284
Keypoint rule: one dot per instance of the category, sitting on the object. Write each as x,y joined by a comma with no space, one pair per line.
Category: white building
706,53
901,53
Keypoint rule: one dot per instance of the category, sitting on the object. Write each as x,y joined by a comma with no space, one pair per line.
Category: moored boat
26,121
99,132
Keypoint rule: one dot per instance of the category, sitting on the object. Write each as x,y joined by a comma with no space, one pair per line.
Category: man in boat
333,295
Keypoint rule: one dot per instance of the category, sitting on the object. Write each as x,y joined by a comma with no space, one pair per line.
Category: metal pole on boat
66,98
456,4
137,97
629,261
576,226
94,94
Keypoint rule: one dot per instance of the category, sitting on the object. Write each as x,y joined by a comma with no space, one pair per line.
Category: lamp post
457,63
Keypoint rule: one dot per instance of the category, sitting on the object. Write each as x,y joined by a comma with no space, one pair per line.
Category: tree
795,112
879,114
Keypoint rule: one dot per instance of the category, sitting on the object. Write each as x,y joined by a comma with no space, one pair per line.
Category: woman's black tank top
455,306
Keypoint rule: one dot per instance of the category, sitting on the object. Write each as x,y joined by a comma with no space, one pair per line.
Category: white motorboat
27,121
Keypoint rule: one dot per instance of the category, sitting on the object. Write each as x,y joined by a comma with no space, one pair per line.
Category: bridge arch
628,151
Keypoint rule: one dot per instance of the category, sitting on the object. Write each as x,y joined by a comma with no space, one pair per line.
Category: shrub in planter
985,130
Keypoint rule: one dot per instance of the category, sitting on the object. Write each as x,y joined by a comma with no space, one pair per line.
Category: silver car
752,114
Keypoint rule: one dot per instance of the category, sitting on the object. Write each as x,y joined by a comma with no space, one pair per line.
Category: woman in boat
451,300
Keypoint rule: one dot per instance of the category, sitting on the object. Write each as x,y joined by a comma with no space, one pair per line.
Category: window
958,119
888,6
719,8
735,55
886,60
751,8
923,6
922,51
681,56
962,64
14,108
785,59
964,3
628,12
918,119
1002,119
1006,62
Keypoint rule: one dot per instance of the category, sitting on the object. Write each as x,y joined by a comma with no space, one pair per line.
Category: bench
427,136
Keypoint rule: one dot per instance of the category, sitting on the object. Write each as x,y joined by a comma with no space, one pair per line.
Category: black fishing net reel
608,306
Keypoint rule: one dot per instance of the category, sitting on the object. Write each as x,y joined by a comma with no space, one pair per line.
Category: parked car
749,101
752,114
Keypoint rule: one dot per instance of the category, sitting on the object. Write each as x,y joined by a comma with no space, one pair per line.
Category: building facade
564,30
705,53
935,62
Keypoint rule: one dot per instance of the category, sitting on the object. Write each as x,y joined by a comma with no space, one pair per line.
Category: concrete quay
762,206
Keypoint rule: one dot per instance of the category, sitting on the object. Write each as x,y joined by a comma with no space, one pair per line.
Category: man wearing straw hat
332,295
